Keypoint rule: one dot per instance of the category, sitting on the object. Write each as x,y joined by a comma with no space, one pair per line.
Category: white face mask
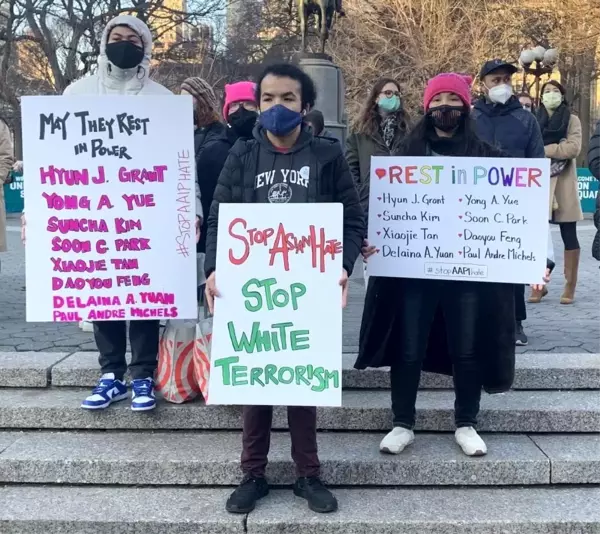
500,94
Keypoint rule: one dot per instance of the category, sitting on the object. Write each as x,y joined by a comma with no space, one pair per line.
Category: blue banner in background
13,194
587,187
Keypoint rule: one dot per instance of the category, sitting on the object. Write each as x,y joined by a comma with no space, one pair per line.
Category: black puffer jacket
332,182
211,147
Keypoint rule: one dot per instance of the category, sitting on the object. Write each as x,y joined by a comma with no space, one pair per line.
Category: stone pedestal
330,92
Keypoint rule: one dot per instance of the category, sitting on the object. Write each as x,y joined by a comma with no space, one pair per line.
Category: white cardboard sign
477,219
277,328
110,206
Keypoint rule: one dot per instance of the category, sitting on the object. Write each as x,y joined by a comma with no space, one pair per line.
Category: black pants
420,300
111,340
568,232
256,440
520,307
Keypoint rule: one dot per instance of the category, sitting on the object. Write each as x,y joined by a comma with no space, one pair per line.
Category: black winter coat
332,183
378,346
212,148
594,153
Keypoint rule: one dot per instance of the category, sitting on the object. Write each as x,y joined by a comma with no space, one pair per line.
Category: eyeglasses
390,94
250,106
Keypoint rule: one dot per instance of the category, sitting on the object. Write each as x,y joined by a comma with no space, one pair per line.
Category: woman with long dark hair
561,131
378,131
452,327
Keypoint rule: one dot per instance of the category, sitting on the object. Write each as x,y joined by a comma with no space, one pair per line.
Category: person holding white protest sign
452,327
123,68
285,163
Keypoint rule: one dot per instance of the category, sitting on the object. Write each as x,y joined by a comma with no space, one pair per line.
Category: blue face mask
279,120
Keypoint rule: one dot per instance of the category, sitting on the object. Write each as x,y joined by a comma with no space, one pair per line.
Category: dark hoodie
313,170
510,128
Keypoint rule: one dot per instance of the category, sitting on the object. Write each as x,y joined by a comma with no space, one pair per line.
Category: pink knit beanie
238,92
448,82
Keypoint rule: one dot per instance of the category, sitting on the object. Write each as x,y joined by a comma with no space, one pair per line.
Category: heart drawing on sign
460,216
378,233
380,173
459,235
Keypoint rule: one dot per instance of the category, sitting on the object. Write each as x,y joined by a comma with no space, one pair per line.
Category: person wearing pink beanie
412,325
240,109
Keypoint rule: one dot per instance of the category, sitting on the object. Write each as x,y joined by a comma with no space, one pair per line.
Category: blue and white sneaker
143,399
107,391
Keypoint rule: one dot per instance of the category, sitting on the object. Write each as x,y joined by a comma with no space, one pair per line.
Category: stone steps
209,458
534,371
349,459
67,471
362,410
89,510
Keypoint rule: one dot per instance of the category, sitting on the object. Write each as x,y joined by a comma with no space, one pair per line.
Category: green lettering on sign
299,340
226,363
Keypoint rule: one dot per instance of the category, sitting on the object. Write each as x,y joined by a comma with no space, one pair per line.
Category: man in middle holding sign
285,163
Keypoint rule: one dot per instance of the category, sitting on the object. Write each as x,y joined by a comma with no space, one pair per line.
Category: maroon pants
257,440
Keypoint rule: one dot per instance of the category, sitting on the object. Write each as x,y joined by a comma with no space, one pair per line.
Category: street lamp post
537,61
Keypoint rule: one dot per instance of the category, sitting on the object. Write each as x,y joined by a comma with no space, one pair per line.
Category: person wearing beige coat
562,142
6,162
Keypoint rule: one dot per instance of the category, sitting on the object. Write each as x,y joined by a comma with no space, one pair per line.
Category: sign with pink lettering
477,219
277,329
110,204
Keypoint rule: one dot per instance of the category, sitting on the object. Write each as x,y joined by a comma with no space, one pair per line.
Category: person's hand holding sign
367,250
344,284
540,287
198,225
211,292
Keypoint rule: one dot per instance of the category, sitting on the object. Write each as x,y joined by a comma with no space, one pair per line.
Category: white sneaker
397,440
86,326
470,442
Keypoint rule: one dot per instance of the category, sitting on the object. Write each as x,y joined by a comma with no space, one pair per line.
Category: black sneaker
243,499
522,339
319,498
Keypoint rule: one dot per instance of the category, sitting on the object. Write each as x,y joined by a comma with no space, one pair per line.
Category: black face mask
447,118
243,121
124,54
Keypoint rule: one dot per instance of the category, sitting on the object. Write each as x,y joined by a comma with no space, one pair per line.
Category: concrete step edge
349,459
362,410
88,510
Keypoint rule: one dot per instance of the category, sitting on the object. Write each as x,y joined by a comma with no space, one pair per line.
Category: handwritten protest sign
277,329
472,219
110,203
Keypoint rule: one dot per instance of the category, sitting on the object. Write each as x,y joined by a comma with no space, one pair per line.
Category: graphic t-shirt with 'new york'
282,176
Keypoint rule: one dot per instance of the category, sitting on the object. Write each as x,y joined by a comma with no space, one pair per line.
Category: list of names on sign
110,203
472,219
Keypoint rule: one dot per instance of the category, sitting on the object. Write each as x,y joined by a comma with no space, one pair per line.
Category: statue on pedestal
324,12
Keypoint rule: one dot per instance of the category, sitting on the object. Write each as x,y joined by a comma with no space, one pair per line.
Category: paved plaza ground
550,326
